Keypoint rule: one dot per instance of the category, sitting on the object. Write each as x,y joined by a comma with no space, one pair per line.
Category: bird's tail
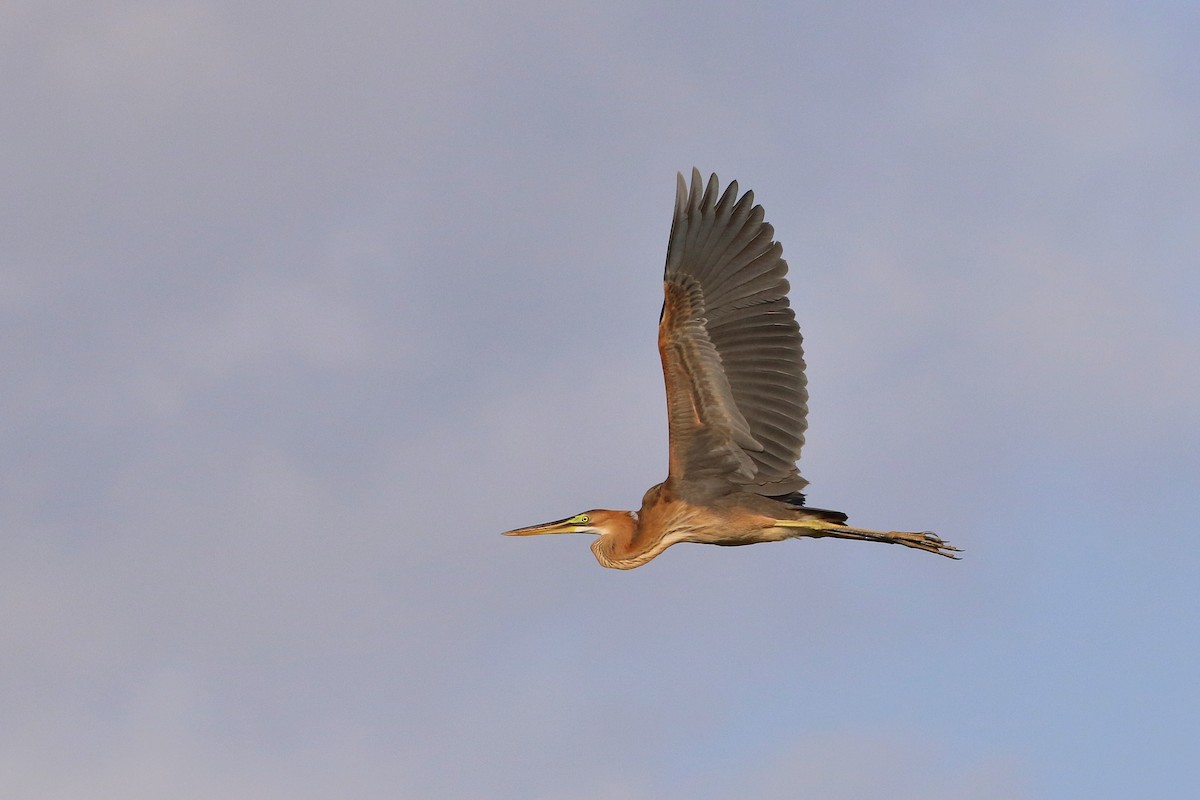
796,500
826,515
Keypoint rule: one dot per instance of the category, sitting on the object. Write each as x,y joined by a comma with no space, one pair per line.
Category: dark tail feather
791,498
827,515
796,500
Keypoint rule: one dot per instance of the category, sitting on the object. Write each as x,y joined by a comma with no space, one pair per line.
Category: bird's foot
928,541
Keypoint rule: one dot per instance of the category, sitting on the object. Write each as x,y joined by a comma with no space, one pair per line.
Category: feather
732,352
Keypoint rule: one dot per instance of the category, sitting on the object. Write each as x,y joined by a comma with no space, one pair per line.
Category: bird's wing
730,345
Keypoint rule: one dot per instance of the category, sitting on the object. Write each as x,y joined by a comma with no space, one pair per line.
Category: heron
737,398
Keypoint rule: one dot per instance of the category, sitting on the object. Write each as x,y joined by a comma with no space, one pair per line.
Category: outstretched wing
731,349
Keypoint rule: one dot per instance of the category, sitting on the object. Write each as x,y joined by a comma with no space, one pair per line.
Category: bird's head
597,521
615,530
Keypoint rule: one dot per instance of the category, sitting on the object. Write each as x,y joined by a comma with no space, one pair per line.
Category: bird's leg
928,541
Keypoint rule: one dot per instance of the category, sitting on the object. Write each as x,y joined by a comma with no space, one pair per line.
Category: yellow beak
569,525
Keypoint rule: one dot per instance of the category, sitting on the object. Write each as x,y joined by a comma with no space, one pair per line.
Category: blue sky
303,306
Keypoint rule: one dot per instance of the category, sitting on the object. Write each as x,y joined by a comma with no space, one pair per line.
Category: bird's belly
680,521
737,531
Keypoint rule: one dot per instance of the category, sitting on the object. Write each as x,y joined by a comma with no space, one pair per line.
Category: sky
302,305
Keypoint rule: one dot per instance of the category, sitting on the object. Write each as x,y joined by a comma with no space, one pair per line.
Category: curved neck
618,547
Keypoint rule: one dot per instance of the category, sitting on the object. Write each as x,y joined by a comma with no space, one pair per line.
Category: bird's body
668,516
736,398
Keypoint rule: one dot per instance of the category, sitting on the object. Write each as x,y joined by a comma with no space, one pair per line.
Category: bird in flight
736,398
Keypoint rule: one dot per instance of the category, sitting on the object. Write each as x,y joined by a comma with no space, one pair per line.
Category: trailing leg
928,541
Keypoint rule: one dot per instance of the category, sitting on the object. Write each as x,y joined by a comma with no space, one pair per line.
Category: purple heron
736,398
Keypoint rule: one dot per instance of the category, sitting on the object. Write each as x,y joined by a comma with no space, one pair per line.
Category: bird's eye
582,519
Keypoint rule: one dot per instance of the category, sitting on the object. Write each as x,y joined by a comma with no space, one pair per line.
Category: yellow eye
581,519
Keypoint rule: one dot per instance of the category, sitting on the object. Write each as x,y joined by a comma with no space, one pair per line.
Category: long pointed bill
570,525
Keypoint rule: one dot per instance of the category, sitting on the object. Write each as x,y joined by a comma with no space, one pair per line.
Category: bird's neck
614,547
619,546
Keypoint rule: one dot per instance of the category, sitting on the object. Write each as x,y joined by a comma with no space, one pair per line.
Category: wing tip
694,193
